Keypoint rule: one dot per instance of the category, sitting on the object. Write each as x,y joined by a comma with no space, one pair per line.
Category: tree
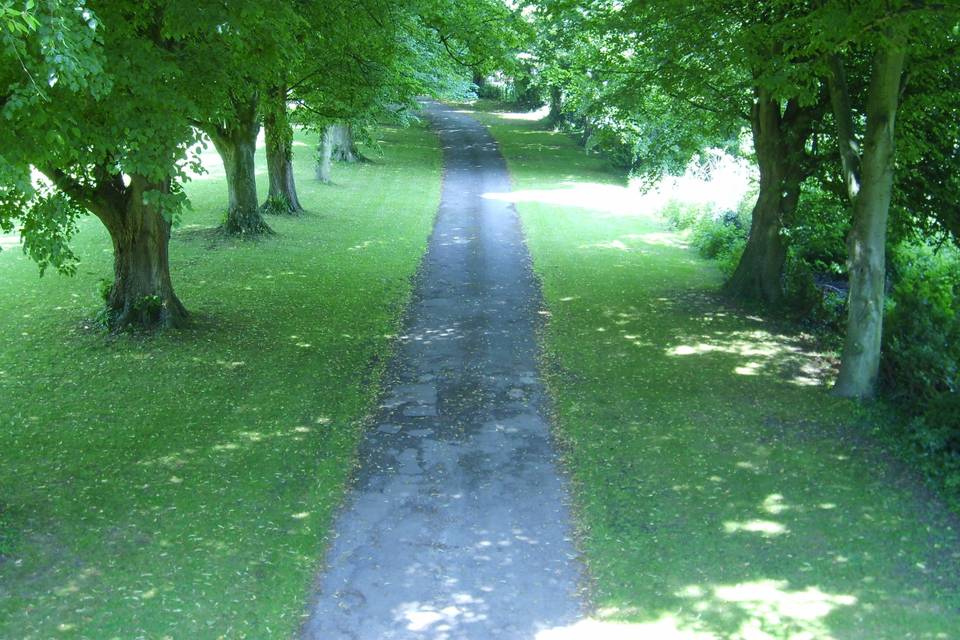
278,133
104,131
885,34
239,65
657,63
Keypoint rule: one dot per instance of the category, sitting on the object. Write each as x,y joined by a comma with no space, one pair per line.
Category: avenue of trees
851,110
103,103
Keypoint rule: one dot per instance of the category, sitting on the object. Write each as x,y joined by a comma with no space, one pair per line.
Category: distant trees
104,99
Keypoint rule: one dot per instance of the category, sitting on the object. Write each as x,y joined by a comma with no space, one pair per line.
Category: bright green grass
181,485
720,491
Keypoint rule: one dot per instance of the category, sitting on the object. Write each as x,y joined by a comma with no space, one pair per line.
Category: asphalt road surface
457,524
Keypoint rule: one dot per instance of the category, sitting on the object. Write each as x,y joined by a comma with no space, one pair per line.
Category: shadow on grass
721,491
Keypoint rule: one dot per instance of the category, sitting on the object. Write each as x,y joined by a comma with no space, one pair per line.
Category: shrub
713,236
921,351
682,215
721,236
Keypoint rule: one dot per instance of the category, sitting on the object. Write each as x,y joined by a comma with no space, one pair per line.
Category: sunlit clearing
9,240
609,199
531,116
717,179
764,527
612,244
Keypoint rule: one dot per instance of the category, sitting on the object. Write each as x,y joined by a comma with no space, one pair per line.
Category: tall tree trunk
325,157
344,145
779,140
870,183
236,142
279,138
141,294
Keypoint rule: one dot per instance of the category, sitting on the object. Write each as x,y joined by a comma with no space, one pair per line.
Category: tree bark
325,157
282,198
142,293
870,184
344,145
236,142
779,141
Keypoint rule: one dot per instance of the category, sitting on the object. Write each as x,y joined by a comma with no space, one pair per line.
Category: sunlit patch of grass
181,485
720,491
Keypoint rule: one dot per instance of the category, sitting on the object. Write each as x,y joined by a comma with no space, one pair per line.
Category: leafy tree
103,130
241,61
877,39
655,64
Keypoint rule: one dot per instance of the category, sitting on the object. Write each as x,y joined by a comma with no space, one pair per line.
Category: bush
713,236
921,351
684,215
922,325
818,234
721,236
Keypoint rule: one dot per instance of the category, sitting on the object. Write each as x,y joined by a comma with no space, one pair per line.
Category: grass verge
721,491
181,485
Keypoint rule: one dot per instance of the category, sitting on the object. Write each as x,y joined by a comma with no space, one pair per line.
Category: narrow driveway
457,526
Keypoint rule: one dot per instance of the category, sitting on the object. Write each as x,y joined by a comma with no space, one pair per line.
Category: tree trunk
237,143
344,146
325,157
142,294
779,140
555,117
866,244
282,198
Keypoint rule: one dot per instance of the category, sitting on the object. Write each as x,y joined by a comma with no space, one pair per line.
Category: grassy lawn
181,486
721,492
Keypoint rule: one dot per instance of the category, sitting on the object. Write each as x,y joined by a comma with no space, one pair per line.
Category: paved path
457,526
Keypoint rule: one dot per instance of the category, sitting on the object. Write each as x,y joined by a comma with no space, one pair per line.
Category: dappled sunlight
667,627
772,610
422,617
765,527
762,609
763,352
243,441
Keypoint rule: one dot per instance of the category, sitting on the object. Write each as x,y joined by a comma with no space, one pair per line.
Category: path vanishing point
457,525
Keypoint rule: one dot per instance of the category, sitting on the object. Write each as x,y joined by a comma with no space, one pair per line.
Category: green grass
720,490
180,486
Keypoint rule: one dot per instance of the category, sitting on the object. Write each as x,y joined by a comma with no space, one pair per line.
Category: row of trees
860,99
106,99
